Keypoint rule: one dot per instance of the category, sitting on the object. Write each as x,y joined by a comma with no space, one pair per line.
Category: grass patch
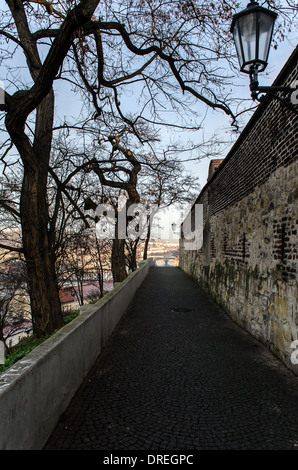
20,350
26,345
71,317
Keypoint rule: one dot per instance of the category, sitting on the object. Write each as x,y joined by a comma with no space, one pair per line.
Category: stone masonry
248,260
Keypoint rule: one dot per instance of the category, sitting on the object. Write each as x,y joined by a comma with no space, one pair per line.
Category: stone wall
248,261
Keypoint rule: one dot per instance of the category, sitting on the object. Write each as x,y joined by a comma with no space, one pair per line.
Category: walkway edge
37,389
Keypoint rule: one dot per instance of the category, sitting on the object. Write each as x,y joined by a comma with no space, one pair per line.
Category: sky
68,104
219,124
214,122
277,59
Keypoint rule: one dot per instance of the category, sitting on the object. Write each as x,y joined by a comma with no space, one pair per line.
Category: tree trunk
40,260
132,254
100,281
145,254
118,260
2,339
99,267
100,277
38,241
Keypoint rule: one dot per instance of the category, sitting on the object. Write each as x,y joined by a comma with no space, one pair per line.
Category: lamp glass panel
248,31
238,44
266,23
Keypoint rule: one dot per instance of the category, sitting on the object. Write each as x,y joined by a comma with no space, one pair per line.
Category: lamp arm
273,89
271,92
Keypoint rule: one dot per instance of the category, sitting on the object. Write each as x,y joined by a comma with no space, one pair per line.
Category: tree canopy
134,66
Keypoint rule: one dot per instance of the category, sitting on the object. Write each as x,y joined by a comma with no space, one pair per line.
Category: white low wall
38,388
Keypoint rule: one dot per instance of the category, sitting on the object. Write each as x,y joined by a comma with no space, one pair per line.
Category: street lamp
252,31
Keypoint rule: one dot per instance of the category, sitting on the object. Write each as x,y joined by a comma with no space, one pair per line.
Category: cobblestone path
177,380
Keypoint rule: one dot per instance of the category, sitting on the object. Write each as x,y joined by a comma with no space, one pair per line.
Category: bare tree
166,185
101,48
14,307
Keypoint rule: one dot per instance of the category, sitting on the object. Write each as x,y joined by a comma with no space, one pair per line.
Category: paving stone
181,380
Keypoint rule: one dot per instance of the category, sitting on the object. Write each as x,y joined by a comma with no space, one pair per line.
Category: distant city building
15,332
69,295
